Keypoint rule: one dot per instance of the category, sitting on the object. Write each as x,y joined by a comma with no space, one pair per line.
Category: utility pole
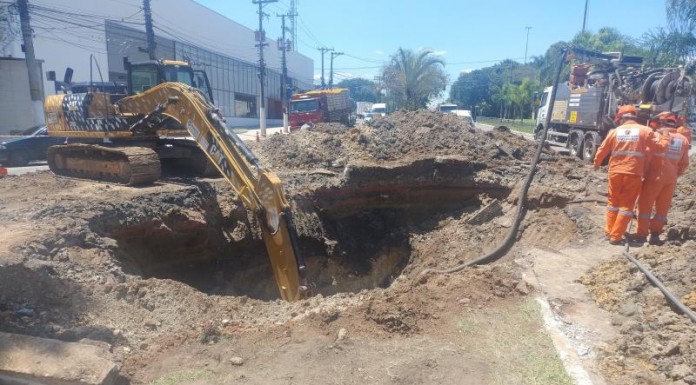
333,55
261,38
32,70
526,45
149,32
283,46
293,23
323,51
584,18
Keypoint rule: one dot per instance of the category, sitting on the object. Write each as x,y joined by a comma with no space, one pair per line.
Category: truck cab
379,108
541,112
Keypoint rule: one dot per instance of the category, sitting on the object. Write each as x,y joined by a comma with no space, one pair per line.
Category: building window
245,106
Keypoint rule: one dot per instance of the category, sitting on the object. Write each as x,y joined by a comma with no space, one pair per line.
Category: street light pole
526,45
584,18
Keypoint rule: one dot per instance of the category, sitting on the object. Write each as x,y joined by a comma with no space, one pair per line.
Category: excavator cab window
143,77
177,74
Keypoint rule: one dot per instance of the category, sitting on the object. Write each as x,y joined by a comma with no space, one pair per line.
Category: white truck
448,108
377,109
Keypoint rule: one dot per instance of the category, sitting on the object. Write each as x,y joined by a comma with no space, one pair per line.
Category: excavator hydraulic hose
512,234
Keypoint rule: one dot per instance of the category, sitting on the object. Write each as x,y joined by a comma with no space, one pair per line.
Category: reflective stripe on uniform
632,153
661,218
612,208
644,216
626,212
668,155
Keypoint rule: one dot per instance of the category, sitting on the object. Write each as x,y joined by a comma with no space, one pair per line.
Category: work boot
655,240
617,242
636,240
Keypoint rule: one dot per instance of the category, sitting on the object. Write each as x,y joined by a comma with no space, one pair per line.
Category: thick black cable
512,234
655,281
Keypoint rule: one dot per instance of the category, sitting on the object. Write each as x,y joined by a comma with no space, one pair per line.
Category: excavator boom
259,189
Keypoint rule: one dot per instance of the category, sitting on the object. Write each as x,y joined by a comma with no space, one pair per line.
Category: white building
93,36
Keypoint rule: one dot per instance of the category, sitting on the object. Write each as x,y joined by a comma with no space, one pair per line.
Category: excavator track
131,166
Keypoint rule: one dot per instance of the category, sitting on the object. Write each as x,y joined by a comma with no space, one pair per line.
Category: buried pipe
655,281
512,235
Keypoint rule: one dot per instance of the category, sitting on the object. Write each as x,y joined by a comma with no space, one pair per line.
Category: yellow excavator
135,131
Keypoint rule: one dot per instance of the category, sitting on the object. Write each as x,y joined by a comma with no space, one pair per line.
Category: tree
677,43
411,79
3,22
485,90
362,90
682,15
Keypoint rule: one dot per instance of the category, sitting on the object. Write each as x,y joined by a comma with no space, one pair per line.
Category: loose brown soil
175,280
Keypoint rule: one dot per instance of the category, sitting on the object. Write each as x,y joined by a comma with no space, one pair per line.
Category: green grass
525,125
516,344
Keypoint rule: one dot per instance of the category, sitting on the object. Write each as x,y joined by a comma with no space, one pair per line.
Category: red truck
318,106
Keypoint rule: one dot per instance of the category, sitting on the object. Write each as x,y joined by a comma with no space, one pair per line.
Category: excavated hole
363,242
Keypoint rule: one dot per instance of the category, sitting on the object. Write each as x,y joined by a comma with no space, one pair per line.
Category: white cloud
465,70
440,53
379,52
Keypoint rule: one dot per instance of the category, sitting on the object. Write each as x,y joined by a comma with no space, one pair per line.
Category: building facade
92,37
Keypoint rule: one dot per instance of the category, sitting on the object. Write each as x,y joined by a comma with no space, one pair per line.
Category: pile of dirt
403,136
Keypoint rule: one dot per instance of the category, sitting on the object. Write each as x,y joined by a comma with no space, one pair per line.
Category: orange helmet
681,120
667,119
626,112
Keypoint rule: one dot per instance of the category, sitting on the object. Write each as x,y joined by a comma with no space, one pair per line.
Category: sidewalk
250,134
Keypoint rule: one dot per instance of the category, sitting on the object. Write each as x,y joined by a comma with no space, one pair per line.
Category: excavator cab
144,75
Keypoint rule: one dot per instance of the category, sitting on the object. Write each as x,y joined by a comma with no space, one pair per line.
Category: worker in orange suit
683,128
662,171
628,145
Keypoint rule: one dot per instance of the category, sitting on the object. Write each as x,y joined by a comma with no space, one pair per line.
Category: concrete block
26,360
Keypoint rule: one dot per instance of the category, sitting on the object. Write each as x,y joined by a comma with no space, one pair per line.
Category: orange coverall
661,175
686,131
628,145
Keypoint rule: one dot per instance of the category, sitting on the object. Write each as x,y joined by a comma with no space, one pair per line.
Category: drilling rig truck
585,104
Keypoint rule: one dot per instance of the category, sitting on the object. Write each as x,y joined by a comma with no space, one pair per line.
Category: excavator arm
259,189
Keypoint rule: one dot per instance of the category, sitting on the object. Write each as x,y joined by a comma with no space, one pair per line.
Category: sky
467,34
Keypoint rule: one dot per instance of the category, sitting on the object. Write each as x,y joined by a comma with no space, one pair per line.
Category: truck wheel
590,146
538,132
575,145
19,158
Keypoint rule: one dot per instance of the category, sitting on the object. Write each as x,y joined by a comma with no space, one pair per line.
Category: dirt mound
400,137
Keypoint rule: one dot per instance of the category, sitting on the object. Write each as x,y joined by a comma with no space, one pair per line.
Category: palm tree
677,43
682,14
412,79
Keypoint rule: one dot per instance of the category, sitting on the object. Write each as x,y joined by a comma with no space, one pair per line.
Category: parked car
18,152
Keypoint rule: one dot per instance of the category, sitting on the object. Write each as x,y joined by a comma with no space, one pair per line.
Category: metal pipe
668,295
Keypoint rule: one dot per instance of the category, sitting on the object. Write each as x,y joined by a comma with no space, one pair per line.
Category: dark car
20,151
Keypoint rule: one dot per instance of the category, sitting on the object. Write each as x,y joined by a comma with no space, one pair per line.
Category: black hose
512,235
655,281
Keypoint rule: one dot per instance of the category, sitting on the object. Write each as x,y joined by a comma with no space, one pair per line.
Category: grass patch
182,376
513,340
525,125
